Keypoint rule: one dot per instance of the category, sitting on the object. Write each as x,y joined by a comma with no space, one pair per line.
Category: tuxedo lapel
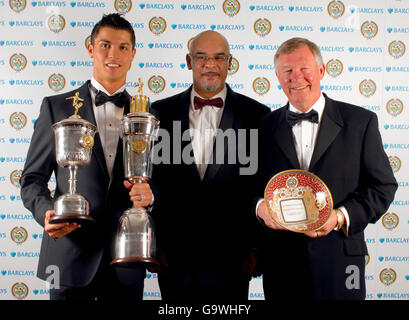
331,125
226,123
283,135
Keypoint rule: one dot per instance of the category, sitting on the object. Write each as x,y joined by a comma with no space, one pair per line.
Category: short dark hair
115,21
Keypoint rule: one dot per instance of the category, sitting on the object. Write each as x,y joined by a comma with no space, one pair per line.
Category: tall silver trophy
74,139
135,243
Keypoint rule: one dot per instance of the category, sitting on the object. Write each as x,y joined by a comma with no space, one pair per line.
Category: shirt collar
317,106
99,87
222,94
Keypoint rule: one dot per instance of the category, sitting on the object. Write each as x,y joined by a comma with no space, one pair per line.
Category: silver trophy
74,139
135,243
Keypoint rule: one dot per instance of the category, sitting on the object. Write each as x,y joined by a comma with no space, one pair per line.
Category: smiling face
112,53
300,77
209,76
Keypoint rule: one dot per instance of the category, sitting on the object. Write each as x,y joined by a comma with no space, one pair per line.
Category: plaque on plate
298,200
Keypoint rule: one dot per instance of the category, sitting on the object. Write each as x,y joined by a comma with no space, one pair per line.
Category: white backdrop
43,52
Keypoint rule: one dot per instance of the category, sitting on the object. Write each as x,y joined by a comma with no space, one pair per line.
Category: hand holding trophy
298,201
135,243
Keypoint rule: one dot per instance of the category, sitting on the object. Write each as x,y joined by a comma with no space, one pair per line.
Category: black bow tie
293,118
200,103
120,99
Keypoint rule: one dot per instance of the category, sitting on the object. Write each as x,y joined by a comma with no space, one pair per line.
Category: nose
296,75
113,52
210,61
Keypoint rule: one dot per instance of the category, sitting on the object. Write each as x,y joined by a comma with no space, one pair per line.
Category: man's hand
263,214
326,228
58,230
140,194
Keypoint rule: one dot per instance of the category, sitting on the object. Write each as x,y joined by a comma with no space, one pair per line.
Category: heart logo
1,101
11,23
12,198
389,30
379,295
35,235
34,62
251,66
150,45
212,27
72,4
281,28
11,82
351,69
252,8
72,83
387,88
183,6
35,291
148,275
2,159
72,63
183,65
390,10
73,24
279,87
388,69
251,47
291,8
13,254
386,126
3,216
2,43
142,5
44,43
351,49
407,277
322,29
352,10
141,64
173,84
174,26
33,3
381,240
385,146
3,272
380,259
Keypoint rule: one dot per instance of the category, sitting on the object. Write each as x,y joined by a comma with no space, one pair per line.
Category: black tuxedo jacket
78,254
207,221
350,159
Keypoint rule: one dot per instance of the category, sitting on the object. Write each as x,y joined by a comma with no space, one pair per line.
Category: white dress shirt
203,124
108,119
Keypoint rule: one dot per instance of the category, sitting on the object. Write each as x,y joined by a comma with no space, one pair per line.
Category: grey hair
293,44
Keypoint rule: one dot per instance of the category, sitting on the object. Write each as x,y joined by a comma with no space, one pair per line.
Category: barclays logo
85,63
371,108
396,146
305,9
398,10
16,216
48,63
296,28
228,27
364,69
41,292
59,4
261,67
267,47
13,159
397,88
394,296
87,4
26,82
336,88
139,25
273,106
394,259
26,23
152,294
199,7
397,69
398,30
17,43
165,45
256,295
20,273
332,49
398,240
52,43
396,127
236,46
82,24
266,8
180,85
403,184
336,29
189,26
158,65
25,254
160,6
367,10
365,49
237,86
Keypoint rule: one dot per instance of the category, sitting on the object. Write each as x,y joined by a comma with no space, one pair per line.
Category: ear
189,62
229,62
90,49
322,71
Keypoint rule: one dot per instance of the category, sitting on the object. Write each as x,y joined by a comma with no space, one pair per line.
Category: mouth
112,65
210,74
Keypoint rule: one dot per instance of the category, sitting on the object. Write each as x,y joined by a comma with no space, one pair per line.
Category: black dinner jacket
210,219
78,254
350,159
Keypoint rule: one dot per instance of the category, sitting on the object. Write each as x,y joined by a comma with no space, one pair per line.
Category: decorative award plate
298,200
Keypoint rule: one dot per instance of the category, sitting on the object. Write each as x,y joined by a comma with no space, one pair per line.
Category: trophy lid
139,103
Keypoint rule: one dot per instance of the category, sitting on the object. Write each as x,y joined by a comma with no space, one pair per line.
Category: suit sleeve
39,165
377,182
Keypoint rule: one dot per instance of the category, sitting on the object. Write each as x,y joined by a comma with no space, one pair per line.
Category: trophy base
134,262
82,220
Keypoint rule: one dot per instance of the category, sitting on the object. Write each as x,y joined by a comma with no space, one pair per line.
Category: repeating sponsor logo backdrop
364,44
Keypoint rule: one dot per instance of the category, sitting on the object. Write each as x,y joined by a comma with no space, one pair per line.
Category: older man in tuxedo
82,254
202,208
341,144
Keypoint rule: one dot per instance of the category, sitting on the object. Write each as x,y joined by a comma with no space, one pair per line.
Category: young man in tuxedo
341,144
82,253
202,209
